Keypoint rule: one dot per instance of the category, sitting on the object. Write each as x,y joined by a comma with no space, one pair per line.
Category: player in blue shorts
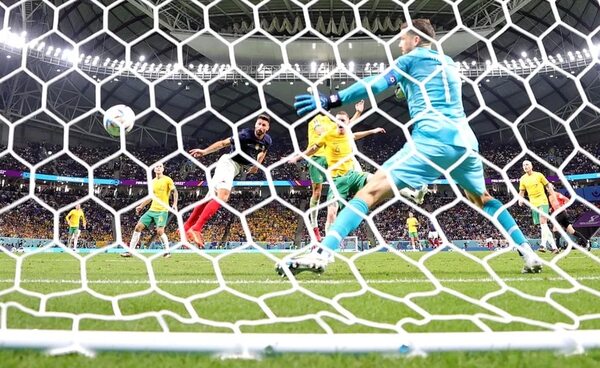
441,134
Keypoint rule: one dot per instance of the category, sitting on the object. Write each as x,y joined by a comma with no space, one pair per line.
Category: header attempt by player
441,133
253,142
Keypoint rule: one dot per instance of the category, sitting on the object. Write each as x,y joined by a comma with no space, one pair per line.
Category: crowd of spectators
272,223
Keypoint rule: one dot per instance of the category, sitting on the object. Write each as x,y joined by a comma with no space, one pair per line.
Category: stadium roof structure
72,95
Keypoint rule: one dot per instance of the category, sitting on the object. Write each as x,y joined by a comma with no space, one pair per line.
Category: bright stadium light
524,54
41,46
351,66
142,58
49,50
57,52
313,66
215,68
106,62
367,67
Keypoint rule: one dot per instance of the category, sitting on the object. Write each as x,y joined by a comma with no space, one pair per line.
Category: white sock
165,241
75,239
313,212
548,235
135,238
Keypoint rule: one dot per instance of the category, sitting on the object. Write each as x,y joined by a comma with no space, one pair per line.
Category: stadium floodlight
314,45
57,52
586,53
260,67
49,50
524,54
215,68
191,66
106,62
41,46
474,62
351,66
367,67
349,45
142,58
313,66
95,60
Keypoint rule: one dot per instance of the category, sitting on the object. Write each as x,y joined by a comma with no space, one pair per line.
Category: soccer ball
116,116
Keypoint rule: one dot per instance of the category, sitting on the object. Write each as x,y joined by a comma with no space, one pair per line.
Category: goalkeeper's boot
313,261
533,262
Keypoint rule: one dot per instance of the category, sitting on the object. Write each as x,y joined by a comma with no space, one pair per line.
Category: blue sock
345,223
506,220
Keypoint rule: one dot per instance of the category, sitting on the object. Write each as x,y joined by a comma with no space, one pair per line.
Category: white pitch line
282,281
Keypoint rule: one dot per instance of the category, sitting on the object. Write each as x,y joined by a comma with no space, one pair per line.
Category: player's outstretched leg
194,216
493,207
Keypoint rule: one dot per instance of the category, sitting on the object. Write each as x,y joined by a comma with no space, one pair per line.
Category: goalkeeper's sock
135,238
507,222
209,211
313,212
346,222
194,216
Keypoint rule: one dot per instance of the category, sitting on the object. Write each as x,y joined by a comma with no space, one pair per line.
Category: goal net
199,72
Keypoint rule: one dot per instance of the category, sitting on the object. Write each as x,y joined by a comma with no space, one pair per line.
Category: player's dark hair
265,117
423,26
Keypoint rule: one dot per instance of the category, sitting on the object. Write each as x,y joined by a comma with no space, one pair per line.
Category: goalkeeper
441,133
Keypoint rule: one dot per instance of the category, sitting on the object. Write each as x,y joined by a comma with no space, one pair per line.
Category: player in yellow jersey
317,127
533,184
341,163
413,231
162,187
73,218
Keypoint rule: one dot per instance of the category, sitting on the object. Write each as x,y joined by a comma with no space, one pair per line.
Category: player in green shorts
162,188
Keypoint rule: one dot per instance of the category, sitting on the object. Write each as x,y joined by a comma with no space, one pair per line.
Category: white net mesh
231,287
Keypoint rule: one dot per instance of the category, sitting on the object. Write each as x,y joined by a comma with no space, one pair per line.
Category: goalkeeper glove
306,103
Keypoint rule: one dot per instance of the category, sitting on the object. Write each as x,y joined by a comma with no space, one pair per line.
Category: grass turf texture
16,358
51,283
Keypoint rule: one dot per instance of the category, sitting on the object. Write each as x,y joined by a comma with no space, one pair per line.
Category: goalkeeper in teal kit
431,84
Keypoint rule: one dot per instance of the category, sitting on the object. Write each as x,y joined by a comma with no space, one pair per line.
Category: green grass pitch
399,295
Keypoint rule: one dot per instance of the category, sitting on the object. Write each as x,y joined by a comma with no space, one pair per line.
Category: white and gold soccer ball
117,116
